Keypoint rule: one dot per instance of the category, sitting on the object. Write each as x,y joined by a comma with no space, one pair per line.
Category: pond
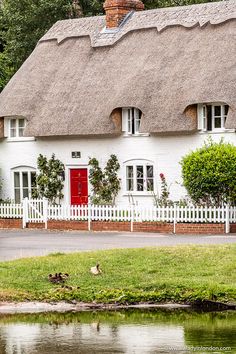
132,331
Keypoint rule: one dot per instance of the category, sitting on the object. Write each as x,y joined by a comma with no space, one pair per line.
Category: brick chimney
116,10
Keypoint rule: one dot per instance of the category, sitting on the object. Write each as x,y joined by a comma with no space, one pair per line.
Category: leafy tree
209,173
152,4
25,21
49,180
105,184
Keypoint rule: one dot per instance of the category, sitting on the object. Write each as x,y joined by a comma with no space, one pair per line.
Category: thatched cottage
148,86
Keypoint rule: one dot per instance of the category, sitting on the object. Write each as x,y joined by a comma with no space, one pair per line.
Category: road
27,243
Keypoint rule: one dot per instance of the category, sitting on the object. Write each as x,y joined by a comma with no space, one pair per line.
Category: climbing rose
162,175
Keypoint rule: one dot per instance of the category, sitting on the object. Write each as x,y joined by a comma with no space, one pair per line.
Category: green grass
176,274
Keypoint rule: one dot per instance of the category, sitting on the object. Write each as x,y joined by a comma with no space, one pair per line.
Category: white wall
165,152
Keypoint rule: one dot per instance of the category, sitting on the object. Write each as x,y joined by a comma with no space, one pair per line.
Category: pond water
133,331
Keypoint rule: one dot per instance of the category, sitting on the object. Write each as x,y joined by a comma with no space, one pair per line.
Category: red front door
79,186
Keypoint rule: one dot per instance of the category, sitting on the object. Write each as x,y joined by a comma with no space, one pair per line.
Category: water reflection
118,332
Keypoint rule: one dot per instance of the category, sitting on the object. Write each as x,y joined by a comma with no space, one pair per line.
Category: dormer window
16,127
212,117
131,118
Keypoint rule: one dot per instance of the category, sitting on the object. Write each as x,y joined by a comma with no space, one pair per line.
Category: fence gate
35,210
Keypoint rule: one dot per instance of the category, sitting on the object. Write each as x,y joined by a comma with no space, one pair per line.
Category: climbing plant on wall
105,183
49,179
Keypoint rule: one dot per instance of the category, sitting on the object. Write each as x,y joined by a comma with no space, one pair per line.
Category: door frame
67,194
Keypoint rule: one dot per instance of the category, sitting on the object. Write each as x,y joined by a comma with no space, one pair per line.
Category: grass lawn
176,274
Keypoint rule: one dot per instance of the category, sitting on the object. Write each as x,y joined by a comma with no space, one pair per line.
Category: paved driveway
27,243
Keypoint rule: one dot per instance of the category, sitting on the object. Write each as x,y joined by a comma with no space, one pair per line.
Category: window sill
138,194
135,135
220,131
29,138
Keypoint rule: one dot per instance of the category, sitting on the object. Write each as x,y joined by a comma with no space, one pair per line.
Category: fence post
227,221
25,212
174,221
89,217
45,212
132,218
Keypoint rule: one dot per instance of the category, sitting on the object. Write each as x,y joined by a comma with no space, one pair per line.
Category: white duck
95,270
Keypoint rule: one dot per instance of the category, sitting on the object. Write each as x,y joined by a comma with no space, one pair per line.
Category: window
24,184
212,117
139,178
131,118
16,127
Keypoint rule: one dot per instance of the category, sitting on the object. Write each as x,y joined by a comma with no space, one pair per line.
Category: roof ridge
161,18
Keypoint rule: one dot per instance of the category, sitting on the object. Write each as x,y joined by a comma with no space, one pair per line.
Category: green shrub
209,173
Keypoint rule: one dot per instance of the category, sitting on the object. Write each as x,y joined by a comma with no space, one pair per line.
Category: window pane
21,131
25,193
140,180
25,179
149,171
16,179
217,111
129,178
17,195
209,117
226,109
12,133
129,121
139,171
13,123
130,185
140,184
204,111
150,184
218,122
137,125
21,123
33,179
133,121
130,172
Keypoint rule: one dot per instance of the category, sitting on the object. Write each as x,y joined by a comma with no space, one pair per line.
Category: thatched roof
160,61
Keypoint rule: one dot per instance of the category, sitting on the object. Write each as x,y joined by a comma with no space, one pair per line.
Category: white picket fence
39,210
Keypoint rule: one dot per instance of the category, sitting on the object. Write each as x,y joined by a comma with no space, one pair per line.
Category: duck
58,277
53,278
64,276
95,270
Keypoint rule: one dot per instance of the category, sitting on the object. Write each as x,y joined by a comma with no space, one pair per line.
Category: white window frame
134,164
21,170
8,129
17,127
202,117
131,116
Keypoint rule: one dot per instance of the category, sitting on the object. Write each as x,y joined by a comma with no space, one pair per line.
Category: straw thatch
72,87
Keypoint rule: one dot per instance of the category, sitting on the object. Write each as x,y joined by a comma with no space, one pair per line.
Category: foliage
209,173
163,200
180,273
105,184
49,180
6,70
152,4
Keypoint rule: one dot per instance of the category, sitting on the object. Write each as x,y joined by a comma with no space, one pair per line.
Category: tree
105,184
152,4
49,180
209,173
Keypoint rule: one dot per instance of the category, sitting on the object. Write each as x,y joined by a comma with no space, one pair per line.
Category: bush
50,178
105,184
209,173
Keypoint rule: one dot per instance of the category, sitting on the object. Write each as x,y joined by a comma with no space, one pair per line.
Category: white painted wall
165,152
